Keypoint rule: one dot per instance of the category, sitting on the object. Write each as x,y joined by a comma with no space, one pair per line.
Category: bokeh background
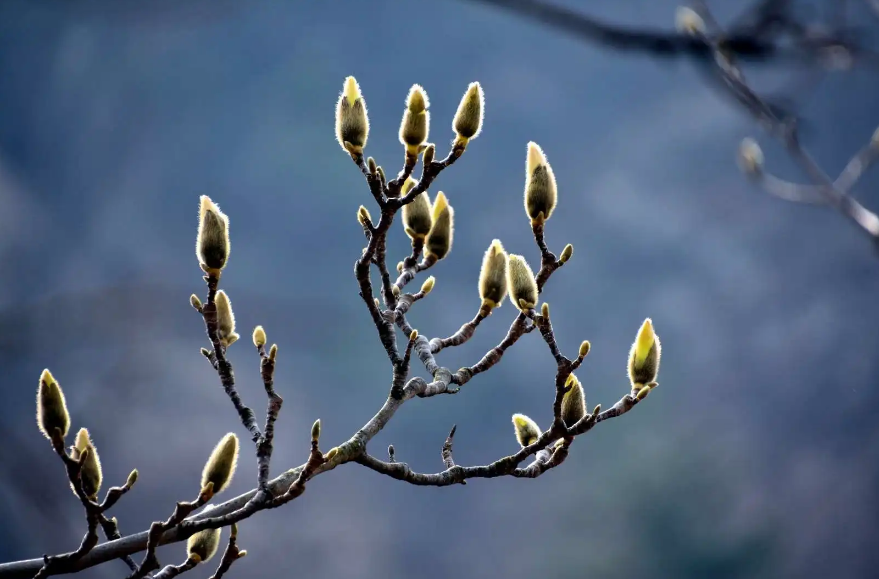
757,457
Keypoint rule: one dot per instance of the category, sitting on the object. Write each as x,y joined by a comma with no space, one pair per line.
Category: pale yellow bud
428,284
352,122
573,402
439,239
51,406
212,245
541,192
521,283
527,431
225,319
91,474
203,545
220,467
415,125
259,336
644,356
468,119
493,275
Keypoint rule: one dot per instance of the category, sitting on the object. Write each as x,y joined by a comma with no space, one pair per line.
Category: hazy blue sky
758,456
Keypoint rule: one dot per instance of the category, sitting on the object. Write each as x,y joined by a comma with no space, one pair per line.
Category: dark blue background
757,457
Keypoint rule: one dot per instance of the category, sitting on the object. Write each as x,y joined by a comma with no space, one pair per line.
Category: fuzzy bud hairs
644,357
91,474
521,282
51,406
225,320
212,242
527,431
201,546
439,240
417,219
352,122
220,467
415,125
468,119
493,276
540,186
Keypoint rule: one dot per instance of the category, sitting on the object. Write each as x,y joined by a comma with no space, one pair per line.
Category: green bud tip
544,310
273,352
315,431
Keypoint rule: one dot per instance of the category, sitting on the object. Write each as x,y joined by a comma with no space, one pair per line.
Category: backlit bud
51,406
225,319
428,284
468,119
221,465
567,252
750,157
352,122
644,356
521,283
540,186
439,239
415,125
527,431
493,275
573,402
91,474
212,241
259,336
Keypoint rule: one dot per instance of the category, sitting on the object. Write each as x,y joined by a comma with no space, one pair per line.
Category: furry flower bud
573,402
221,465
212,242
417,219
468,119
527,431
203,545
415,125
644,356
540,186
259,336
90,475
439,239
51,406
521,283
688,21
225,319
493,275
352,122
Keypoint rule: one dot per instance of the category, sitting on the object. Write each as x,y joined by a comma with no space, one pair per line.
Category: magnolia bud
644,356
567,252
212,241
439,239
51,406
225,320
428,155
521,283
363,216
259,336
315,431
203,545
417,218
428,284
415,125
540,186
352,123
573,402
584,348
493,275
527,431
468,119
90,476
221,465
